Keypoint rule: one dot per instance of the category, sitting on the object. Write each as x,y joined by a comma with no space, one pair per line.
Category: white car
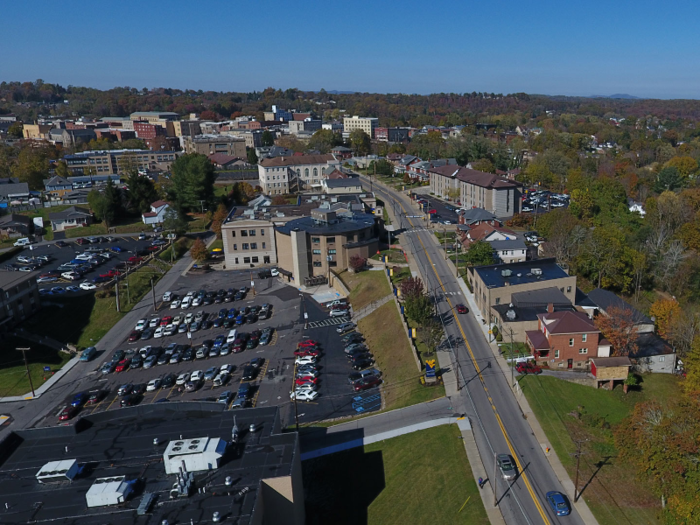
338,313
337,302
155,321
186,302
84,256
197,375
304,395
87,286
160,331
305,360
305,387
71,276
197,301
226,369
189,318
153,384
171,329
274,272
182,378
190,293
167,297
175,304
178,320
140,324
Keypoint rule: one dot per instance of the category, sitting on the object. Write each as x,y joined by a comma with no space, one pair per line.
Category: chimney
550,308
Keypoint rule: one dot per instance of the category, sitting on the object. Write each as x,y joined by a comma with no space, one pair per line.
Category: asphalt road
498,422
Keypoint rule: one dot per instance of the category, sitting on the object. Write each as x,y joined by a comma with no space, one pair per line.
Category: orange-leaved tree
663,311
618,327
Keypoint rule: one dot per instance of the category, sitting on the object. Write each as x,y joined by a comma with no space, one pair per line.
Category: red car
308,351
81,241
307,343
134,336
528,368
369,382
67,413
461,309
153,248
135,260
166,320
122,365
306,381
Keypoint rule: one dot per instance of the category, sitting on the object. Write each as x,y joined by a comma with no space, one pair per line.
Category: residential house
342,185
509,250
475,216
402,165
477,189
13,226
566,340
72,217
227,162
157,213
601,301
341,152
337,174
56,187
14,192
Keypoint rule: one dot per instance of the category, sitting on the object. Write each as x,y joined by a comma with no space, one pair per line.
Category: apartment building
248,242
117,161
19,298
146,130
210,144
282,175
477,189
366,124
186,128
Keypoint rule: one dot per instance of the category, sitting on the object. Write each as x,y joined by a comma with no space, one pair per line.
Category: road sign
47,369
430,368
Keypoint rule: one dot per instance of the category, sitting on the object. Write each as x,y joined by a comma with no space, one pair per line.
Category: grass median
386,339
569,412
422,477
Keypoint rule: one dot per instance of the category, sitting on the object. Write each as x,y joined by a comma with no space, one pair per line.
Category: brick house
566,339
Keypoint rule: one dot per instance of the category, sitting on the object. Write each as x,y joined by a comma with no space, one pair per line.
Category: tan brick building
282,175
210,144
249,243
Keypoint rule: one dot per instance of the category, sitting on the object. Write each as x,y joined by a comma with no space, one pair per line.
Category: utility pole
495,480
201,202
252,283
153,294
116,289
457,245
512,361
26,365
296,412
444,240
578,461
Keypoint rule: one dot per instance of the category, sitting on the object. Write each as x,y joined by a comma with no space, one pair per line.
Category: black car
257,362
219,299
239,296
207,300
118,356
138,389
218,322
188,355
358,353
228,323
251,318
354,377
353,338
249,373
136,362
168,381
206,325
130,400
147,334
361,364
264,274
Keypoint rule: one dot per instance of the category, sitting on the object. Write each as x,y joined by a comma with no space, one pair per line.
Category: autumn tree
357,263
218,220
484,165
453,194
199,250
279,200
686,166
663,311
618,326
411,287
431,334
360,142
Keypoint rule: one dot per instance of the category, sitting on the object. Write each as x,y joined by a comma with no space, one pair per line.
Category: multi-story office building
186,128
116,161
308,125
210,144
19,297
154,116
248,242
366,124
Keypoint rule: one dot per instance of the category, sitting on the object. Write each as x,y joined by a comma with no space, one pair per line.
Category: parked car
153,384
304,395
249,373
367,383
67,413
345,327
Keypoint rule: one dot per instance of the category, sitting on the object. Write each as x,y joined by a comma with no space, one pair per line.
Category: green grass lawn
177,250
386,340
569,412
126,225
218,244
198,223
13,377
365,287
422,477
394,256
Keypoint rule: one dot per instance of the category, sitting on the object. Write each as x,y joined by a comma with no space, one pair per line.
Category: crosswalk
451,293
328,322
415,230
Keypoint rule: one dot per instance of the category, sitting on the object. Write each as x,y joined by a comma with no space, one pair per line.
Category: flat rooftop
343,224
10,279
120,442
521,273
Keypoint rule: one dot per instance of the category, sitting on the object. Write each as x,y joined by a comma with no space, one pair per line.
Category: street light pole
26,365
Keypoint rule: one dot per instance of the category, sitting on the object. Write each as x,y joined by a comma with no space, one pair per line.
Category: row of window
584,338
318,252
332,264
246,246
249,233
329,240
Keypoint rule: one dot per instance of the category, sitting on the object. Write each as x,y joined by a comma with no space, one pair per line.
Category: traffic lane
529,452
445,211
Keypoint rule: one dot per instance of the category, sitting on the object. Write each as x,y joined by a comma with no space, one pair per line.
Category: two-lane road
498,421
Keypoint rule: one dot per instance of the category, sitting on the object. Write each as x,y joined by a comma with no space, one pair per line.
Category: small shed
610,369
108,491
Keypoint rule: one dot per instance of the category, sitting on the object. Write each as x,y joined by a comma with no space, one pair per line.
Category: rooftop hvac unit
537,271
506,273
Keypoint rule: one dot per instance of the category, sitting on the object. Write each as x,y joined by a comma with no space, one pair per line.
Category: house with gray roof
350,185
14,192
13,226
72,217
509,250
603,300
56,187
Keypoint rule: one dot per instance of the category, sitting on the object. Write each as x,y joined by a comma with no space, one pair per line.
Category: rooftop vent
537,271
506,273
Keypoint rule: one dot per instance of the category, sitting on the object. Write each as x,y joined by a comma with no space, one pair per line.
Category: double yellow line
523,475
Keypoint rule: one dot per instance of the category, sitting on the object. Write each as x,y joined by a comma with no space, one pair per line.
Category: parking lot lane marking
153,400
171,391
110,405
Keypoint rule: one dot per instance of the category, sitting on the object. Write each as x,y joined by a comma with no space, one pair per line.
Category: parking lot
273,380
61,253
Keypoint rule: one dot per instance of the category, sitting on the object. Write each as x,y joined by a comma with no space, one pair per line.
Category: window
571,342
584,337
662,358
235,247
245,246
233,234
315,172
331,252
498,300
254,259
317,264
262,232
568,289
330,240
263,246
253,245
244,233
236,260
306,172
332,264
246,260
556,354
315,240
317,252
251,233
583,351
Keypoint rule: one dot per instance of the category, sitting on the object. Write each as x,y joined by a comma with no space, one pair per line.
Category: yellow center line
478,371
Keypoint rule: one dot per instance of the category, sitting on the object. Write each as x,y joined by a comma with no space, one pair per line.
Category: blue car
220,339
559,503
117,249
79,399
232,313
223,313
100,279
240,319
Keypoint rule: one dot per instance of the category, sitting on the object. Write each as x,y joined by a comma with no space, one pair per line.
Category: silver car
506,466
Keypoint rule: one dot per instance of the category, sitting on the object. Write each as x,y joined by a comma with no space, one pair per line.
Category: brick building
19,297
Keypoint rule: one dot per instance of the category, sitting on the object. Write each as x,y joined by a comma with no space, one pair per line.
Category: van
88,354
231,337
24,241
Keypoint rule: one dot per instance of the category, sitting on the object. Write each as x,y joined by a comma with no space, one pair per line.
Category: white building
157,213
283,175
108,491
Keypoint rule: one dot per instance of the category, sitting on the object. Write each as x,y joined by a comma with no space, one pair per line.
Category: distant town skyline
575,49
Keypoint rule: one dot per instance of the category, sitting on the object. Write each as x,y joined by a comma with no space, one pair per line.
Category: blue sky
644,48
